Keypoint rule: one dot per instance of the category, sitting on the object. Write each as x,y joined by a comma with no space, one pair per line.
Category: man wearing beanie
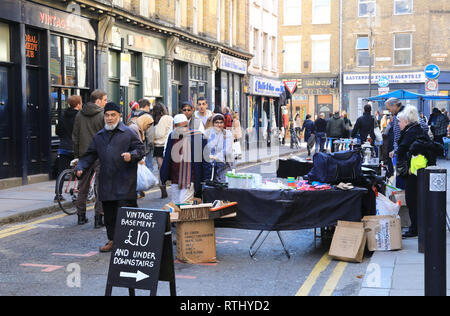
119,150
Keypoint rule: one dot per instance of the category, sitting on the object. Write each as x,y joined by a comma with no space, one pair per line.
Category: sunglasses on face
187,110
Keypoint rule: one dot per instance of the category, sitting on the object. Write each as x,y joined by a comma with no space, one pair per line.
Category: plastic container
231,179
291,183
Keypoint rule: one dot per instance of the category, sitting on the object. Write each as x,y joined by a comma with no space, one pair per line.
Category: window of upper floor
321,56
365,7
403,49
403,7
321,12
292,54
292,12
362,51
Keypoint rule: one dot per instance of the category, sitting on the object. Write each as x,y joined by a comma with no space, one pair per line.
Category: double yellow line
17,229
332,282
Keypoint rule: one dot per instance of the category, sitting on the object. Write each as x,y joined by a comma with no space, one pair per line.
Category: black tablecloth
293,168
288,210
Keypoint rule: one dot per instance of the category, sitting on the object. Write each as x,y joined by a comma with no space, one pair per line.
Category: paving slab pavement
402,273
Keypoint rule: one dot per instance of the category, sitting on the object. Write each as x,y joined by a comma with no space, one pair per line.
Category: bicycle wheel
67,191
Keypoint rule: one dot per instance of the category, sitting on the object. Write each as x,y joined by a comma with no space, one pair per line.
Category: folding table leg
252,254
284,246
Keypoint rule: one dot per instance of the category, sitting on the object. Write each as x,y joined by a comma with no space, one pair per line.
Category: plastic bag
386,207
237,151
145,178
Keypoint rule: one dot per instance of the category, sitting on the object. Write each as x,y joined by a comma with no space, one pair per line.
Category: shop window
69,74
82,60
152,77
134,66
55,60
114,64
5,44
69,62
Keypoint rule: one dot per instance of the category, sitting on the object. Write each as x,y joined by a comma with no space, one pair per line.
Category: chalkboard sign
142,243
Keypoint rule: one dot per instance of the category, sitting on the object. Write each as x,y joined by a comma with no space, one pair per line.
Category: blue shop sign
267,87
233,64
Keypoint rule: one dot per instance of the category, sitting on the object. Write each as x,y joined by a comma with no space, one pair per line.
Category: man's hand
126,157
79,173
391,155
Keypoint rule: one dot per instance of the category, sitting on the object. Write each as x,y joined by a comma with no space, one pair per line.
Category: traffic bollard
421,208
435,232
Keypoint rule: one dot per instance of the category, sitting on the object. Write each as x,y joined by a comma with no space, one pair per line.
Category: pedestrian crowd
194,146
407,139
199,145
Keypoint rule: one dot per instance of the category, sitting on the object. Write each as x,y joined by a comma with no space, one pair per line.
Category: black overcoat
117,179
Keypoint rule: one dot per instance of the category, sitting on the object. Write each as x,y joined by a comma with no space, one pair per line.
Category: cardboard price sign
141,247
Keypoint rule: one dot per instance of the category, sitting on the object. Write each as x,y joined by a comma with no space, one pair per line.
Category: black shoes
410,234
163,192
98,221
82,219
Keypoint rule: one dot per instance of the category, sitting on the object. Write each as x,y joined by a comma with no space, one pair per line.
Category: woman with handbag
410,132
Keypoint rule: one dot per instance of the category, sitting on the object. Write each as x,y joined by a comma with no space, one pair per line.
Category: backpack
337,167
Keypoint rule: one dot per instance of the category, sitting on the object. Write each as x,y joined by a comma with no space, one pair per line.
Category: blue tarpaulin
407,95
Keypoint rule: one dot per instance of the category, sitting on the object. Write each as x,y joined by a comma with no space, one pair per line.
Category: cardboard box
349,242
384,233
196,242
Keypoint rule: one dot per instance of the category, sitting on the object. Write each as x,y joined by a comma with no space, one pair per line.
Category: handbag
378,134
402,169
311,141
337,167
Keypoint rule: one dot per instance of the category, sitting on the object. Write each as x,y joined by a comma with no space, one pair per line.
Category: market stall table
287,210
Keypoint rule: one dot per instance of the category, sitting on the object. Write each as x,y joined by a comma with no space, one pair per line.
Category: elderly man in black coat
119,149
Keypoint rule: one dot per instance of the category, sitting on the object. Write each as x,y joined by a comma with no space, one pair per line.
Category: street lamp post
370,50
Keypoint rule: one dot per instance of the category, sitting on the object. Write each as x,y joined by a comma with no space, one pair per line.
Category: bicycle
295,141
67,190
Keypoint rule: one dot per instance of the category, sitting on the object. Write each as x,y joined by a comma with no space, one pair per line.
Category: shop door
175,98
36,164
6,143
324,104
